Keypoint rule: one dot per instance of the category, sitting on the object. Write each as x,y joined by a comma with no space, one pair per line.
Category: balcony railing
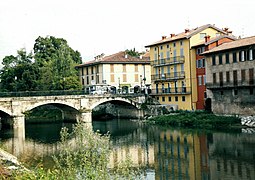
172,90
168,61
231,84
168,76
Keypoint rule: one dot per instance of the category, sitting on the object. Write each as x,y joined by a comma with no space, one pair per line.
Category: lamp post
119,85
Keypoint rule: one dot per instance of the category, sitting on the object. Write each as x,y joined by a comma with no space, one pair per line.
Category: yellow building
120,72
173,66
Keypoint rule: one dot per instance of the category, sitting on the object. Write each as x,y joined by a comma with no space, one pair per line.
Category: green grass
197,119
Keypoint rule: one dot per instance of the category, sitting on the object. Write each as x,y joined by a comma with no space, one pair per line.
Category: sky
108,26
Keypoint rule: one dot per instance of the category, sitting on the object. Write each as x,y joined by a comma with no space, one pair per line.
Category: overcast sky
109,26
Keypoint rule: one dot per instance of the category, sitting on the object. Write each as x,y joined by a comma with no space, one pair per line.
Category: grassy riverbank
196,119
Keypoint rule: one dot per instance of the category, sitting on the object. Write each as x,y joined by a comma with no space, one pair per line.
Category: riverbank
196,119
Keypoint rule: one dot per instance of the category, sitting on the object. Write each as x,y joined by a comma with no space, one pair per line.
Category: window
213,60
124,78
163,88
214,78
176,98
136,77
221,78
155,49
168,55
235,77
202,49
204,77
202,35
251,76
242,56
92,70
234,57
136,67
227,77
161,47
87,71
250,55
112,77
243,75
174,44
169,98
220,58
181,43
112,68
227,58
183,98
199,80
203,62
167,46
198,51
163,99
124,68
158,98
181,52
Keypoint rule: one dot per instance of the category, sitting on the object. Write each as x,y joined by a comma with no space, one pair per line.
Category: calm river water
164,153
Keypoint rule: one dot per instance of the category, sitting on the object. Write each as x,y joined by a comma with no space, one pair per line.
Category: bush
84,155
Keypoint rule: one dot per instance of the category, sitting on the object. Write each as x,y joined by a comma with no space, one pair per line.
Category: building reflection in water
168,154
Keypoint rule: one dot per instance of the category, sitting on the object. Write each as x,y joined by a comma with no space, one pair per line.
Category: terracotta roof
234,44
118,58
186,35
212,40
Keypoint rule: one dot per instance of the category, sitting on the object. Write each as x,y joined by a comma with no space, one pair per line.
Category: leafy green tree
19,73
133,52
56,61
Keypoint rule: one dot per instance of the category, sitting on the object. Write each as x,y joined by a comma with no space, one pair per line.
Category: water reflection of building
232,156
181,156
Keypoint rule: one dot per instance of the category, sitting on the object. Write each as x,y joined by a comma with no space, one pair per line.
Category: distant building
120,72
205,45
230,77
173,62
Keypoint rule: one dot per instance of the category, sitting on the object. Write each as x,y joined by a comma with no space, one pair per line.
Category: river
164,153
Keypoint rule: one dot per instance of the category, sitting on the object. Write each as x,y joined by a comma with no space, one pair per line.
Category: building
120,73
173,64
230,77
207,44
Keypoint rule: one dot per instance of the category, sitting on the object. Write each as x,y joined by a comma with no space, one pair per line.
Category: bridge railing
40,93
59,93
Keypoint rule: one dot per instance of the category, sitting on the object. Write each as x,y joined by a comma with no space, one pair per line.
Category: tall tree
56,61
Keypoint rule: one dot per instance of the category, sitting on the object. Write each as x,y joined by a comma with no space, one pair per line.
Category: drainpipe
190,76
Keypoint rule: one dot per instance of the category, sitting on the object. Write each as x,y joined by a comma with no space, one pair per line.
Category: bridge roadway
79,106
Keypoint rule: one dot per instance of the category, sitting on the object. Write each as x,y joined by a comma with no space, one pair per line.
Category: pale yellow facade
121,76
173,68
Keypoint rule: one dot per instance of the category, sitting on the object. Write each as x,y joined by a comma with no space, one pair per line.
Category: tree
19,73
56,61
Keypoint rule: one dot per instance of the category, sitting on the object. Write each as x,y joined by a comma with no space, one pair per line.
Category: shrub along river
161,152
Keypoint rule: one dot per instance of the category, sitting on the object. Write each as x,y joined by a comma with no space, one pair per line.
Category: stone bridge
79,106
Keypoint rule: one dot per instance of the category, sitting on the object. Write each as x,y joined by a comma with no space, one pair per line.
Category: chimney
207,38
225,29
229,33
172,35
163,37
186,30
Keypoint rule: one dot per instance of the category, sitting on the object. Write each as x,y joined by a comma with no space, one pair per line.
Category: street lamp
119,84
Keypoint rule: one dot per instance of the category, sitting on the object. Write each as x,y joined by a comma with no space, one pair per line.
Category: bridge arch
109,99
42,103
6,111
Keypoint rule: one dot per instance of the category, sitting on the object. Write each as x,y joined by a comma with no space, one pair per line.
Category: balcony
168,61
231,84
171,91
168,76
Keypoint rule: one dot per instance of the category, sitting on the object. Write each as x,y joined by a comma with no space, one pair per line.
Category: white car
99,92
